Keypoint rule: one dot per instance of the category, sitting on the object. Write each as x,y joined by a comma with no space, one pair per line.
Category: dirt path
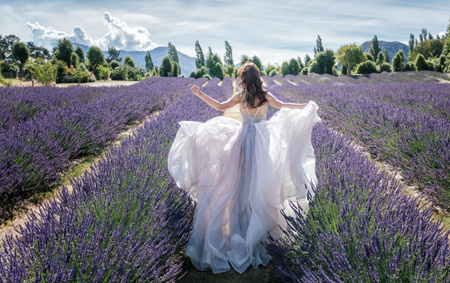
10,228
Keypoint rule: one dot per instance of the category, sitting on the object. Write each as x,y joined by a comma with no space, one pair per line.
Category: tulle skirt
241,176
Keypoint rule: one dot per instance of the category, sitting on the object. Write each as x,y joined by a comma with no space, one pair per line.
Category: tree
319,46
431,48
217,71
324,62
293,67
114,64
374,48
43,72
410,66
6,43
387,59
129,61
245,59
255,59
380,59
228,58
148,62
95,56
113,54
38,51
385,67
20,52
173,54
211,63
285,68
398,62
307,60
421,63
166,67
175,68
350,55
65,49
74,60
367,67
411,43
80,53
200,57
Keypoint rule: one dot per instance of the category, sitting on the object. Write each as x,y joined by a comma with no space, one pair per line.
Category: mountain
392,47
187,63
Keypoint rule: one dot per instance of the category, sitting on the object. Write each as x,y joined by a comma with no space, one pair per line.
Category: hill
187,63
392,47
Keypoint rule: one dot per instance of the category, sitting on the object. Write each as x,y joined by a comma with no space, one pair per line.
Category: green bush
119,74
273,73
410,66
367,67
421,63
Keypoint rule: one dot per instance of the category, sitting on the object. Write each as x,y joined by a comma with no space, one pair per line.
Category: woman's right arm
275,102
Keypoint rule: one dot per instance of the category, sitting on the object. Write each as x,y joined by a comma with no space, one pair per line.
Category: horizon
283,32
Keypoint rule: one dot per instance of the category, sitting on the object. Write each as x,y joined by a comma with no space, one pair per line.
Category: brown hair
251,84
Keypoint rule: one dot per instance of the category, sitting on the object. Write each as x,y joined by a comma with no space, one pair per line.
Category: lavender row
34,152
360,226
375,78
415,141
126,221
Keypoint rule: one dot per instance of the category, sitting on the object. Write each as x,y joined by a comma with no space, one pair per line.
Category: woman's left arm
221,106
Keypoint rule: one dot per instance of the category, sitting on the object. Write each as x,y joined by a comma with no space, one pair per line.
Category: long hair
251,84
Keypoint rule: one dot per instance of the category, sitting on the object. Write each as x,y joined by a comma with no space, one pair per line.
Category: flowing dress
240,175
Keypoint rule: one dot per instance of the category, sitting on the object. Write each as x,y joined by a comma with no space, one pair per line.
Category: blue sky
273,30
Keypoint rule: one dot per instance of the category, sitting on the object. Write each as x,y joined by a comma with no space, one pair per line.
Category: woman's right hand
196,90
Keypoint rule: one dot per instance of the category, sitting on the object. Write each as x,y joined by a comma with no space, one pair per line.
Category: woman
242,174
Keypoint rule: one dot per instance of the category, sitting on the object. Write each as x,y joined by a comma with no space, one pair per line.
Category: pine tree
411,42
228,58
173,54
387,58
374,48
80,53
200,57
319,46
149,62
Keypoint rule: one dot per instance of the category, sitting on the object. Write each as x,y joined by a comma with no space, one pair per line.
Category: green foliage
344,70
199,73
421,63
308,60
119,74
74,60
166,67
230,71
385,67
4,81
103,72
228,58
20,52
268,70
374,48
217,71
129,61
6,43
350,55
96,57
285,68
411,43
61,70
114,64
294,66
149,66
80,75
323,63
304,71
175,68
80,53
367,67
431,48
173,53
113,54
369,57
398,62
380,58
200,58
319,46
410,66
65,49
387,58
273,73
211,63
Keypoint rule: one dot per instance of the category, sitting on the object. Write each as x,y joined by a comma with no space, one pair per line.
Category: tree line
67,63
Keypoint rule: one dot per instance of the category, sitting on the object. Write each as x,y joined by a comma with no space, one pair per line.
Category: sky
273,30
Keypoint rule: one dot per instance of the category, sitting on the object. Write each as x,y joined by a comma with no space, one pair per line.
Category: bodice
251,120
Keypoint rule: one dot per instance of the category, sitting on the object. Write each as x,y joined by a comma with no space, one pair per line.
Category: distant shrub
385,67
410,66
119,74
421,63
304,71
273,73
114,64
367,67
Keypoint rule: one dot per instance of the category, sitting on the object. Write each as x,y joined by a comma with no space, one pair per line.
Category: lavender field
127,221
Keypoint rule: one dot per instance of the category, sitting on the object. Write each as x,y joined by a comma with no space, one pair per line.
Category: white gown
240,175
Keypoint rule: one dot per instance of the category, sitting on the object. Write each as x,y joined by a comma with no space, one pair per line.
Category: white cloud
119,35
